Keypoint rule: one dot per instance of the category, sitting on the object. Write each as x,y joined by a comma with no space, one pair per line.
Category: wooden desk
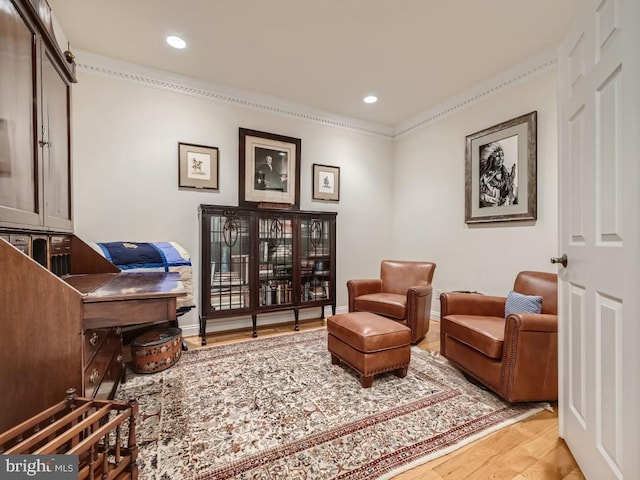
114,300
63,332
120,299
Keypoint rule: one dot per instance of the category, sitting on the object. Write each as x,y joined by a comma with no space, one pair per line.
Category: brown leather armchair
516,357
403,293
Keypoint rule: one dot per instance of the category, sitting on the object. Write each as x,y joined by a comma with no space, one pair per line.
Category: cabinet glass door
275,261
229,262
55,147
315,259
19,200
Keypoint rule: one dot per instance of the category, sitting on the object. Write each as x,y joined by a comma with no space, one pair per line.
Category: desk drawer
129,312
21,242
92,342
112,376
59,244
100,339
105,364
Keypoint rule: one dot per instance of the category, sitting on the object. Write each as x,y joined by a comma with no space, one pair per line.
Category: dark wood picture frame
269,170
500,172
326,183
198,166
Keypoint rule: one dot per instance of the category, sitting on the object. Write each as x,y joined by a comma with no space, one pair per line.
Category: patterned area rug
275,408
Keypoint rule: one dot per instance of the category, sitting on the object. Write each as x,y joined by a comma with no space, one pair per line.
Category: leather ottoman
370,344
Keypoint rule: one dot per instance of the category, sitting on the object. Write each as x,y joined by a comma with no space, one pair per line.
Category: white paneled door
599,178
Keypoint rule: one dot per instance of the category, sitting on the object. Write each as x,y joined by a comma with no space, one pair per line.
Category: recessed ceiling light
176,42
370,99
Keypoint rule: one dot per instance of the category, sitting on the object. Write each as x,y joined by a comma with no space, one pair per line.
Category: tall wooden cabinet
35,121
256,261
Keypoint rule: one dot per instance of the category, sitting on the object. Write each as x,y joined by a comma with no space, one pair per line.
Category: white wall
429,196
400,198
125,149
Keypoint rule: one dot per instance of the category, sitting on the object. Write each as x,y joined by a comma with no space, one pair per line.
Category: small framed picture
326,182
198,166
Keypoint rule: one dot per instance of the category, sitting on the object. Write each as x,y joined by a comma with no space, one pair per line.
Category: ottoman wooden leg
366,381
401,372
334,360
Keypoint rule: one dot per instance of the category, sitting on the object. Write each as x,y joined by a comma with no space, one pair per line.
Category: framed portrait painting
269,170
326,182
198,166
500,172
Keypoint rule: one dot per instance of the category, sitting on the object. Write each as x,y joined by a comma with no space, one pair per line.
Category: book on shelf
226,301
227,289
319,252
240,265
225,278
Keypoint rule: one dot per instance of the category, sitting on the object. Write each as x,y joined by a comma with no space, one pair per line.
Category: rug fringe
451,448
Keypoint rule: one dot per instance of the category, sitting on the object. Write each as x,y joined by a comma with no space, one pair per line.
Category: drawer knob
94,376
94,339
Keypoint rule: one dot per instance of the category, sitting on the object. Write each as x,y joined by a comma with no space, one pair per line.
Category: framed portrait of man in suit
269,170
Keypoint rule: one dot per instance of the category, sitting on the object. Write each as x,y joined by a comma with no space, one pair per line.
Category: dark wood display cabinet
256,261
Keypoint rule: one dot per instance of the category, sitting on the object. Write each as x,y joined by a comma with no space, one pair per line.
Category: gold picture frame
500,172
269,170
326,183
198,166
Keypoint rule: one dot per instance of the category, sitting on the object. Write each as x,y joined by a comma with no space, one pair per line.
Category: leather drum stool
369,344
156,350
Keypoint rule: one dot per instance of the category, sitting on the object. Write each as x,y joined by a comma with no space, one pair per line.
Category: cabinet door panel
316,254
275,260
19,201
228,263
55,150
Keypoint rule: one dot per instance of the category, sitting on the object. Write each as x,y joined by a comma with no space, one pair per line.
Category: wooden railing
101,433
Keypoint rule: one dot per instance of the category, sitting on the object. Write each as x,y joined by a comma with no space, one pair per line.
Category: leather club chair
403,293
516,357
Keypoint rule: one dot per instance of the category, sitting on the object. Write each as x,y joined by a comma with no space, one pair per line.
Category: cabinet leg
203,328
254,320
296,316
322,312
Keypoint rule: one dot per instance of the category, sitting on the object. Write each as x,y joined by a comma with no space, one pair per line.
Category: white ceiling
325,54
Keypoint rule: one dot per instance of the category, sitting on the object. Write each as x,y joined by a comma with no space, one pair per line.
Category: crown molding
512,76
118,69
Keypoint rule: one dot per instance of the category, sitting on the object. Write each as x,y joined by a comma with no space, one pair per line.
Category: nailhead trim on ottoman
370,344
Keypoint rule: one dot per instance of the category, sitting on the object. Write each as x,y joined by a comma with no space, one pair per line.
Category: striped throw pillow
519,303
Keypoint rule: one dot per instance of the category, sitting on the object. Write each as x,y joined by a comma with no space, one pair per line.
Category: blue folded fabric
130,255
171,255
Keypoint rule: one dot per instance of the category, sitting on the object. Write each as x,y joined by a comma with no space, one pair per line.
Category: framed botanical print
326,182
197,166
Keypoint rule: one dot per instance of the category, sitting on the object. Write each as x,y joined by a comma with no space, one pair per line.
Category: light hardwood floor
529,450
